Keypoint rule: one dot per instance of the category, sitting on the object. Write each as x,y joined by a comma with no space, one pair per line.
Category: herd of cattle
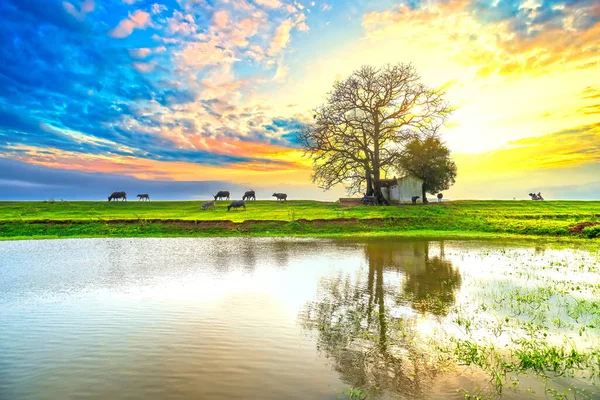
221,195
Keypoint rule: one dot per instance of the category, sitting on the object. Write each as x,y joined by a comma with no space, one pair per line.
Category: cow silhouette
250,194
280,196
144,196
237,204
223,194
117,195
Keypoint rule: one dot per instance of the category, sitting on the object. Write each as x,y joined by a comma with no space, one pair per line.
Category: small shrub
592,232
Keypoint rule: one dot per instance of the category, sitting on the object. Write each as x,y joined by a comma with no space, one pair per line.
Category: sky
185,96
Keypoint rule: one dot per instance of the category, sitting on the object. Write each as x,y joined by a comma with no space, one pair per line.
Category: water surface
240,318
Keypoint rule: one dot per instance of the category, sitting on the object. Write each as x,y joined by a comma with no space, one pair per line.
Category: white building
401,190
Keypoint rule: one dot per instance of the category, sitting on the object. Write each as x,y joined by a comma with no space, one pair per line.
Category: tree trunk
369,182
378,192
376,172
424,191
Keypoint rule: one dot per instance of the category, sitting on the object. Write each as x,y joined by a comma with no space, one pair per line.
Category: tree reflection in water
370,329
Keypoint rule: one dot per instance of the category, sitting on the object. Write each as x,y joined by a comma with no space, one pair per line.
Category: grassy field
185,218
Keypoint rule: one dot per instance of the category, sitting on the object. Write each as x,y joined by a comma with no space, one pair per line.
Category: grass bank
564,219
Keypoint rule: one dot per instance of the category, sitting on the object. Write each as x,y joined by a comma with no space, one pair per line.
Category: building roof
394,181
388,182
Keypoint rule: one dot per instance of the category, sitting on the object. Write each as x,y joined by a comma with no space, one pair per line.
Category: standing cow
414,199
237,204
249,195
144,197
117,195
280,196
223,194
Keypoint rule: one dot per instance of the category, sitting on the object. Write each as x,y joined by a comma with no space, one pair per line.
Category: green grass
90,219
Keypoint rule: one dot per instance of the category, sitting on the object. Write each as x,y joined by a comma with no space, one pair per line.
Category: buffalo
144,196
237,204
223,194
414,199
117,195
250,194
280,196
208,204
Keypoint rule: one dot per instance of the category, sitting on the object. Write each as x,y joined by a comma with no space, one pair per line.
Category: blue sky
215,90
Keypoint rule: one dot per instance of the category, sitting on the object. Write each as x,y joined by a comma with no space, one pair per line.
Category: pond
272,318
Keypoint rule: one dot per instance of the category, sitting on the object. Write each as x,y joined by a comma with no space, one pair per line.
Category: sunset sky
129,91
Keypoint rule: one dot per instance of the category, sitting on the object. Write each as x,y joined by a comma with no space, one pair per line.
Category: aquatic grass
529,319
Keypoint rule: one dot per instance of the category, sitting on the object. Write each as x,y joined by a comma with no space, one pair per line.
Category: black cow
236,204
223,194
117,195
249,195
414,199
144,196
280,196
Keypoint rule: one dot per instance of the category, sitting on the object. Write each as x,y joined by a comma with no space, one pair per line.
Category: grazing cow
144,196
250,194
440,197
117,195
369,200
280,196
414,199
236,204
208,204
223,194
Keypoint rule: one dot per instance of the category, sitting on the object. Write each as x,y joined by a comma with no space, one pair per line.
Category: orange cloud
144,67
141,168
269,3
85,8
138,20
221,19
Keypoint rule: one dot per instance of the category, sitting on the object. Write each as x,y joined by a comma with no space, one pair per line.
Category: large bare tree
358,134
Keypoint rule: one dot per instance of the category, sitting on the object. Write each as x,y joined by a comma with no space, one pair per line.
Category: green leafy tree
429,159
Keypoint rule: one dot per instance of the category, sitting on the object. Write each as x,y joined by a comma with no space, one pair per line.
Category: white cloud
158,8
281,73
281,37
